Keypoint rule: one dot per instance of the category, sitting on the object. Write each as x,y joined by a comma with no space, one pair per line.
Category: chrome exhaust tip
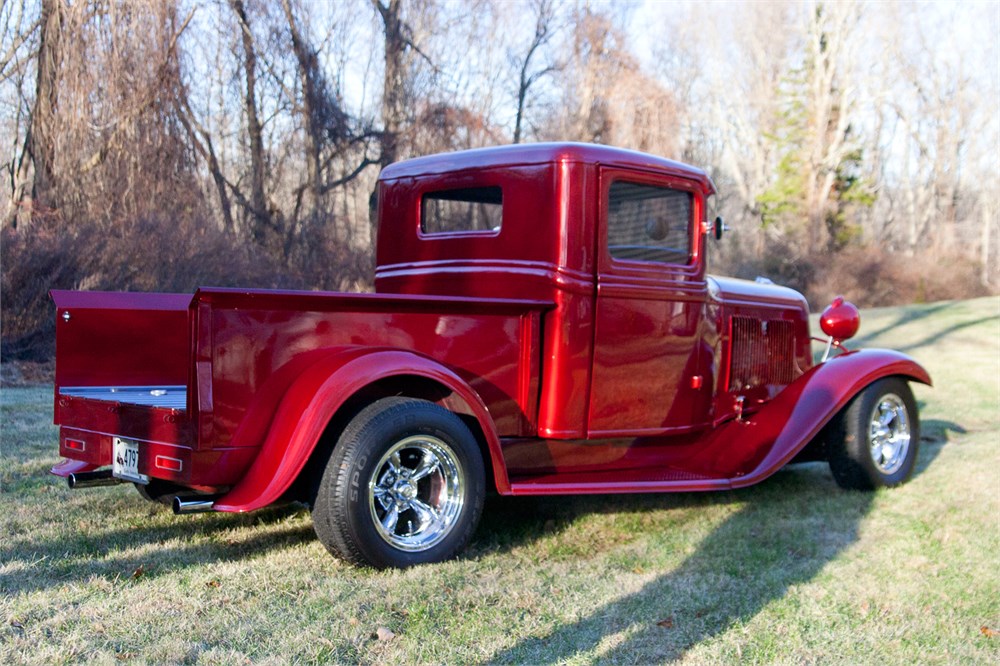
193,505
101,477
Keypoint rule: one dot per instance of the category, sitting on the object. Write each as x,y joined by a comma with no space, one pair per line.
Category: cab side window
649,223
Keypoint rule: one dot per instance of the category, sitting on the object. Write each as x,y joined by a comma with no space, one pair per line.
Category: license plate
125,464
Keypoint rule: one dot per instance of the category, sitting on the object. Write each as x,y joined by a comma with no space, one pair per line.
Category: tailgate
121,339
123,369
122,365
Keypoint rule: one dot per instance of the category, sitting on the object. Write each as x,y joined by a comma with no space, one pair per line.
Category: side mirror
718,227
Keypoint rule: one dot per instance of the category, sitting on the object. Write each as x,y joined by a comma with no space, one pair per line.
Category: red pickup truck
542,324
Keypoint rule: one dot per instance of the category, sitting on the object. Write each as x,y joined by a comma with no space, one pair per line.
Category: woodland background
165,144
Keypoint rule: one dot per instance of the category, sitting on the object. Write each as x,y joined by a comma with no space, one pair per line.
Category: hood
732,291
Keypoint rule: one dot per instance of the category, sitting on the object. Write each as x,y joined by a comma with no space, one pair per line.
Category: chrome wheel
873,442
889,434
416,493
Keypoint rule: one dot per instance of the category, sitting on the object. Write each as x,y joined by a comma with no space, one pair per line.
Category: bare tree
397,86
544,11
259,213
938,141
830,145
395,89
608,97
17,29
18,58
42,139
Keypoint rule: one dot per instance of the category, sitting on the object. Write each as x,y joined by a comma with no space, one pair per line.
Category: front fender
314,398
748,451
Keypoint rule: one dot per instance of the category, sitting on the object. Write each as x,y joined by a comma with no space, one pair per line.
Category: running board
608,482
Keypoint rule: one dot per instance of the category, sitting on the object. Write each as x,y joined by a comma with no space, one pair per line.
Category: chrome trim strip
167,397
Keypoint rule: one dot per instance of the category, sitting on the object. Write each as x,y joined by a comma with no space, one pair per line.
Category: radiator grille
763,352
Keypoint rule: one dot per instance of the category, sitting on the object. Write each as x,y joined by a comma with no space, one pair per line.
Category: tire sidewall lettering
355,492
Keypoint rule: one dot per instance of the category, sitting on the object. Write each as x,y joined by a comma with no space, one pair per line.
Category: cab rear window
465,210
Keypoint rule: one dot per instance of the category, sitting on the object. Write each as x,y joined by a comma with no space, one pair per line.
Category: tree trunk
42,135
261,219
988,221
310,94
393,97
394,94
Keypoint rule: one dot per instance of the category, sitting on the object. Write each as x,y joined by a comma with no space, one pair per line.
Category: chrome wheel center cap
405,490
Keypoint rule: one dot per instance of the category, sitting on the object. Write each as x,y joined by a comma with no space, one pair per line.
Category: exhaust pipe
101,477
193,505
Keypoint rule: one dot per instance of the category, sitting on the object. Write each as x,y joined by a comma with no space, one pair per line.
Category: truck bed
196,381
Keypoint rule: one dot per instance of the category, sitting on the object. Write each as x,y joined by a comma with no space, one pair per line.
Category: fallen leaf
139,572
353,622
384,634
213,583
986,631
668,623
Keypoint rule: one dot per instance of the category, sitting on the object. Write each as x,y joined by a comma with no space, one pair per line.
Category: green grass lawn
794,570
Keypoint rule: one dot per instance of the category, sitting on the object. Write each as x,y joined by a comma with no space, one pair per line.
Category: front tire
873,442
404,486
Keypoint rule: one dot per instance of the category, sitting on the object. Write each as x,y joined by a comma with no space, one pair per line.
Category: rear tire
873,442
403,486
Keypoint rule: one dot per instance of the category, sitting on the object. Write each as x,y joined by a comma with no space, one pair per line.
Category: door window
649,223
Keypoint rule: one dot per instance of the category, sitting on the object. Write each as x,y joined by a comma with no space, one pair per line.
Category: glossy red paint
252,345
319,393
648,338
584,372
737,454
130,339
516,158
840,320
66,467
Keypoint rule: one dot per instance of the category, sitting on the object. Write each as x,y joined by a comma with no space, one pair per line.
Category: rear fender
314,398
748,451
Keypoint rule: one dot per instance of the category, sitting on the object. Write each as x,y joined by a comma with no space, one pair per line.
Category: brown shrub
151,254
867,277
870,278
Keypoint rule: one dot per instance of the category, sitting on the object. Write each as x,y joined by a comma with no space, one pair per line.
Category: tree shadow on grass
911,315
788,529
786,532
937,336
78,555
934,435
906,316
